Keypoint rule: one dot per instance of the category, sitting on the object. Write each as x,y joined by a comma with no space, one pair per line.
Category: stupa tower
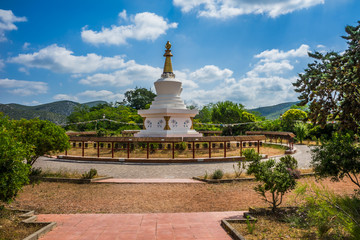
168,115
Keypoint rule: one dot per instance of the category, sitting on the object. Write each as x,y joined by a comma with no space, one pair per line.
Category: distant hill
58,111
273,112
55,112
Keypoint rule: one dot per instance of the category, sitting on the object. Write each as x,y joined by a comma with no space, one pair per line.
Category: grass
62,173
11,227
245,175
278,225
46,197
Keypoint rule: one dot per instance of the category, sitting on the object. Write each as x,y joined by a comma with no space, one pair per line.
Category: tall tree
45,137
331,84
13,170
230,112
139,98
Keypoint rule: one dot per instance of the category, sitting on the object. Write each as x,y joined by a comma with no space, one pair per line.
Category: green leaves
274,177
330,83
44,137
337,157
13,170
139,98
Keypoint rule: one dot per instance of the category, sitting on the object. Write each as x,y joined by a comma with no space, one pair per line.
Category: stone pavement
155,170
155,226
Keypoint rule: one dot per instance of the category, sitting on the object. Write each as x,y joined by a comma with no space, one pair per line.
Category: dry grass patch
273,226
148,198
11,227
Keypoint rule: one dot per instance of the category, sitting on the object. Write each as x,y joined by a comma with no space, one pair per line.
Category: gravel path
155,170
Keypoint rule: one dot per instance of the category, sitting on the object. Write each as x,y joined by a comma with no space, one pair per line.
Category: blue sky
247,51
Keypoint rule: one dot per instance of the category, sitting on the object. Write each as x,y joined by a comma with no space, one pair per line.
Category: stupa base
191,133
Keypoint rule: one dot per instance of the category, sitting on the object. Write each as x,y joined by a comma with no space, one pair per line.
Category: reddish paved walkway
148,180
156,226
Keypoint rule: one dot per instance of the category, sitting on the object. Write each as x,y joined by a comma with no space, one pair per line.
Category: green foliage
139,98
90,174
13,170
301,131
230,112
330,85
292,115
204,115
334,216
44,136
274,178
118,113
271,125
274,112
250,225
289,161
337,158
251,155
217,174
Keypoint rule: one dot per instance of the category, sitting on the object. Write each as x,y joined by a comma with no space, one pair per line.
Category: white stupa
168,115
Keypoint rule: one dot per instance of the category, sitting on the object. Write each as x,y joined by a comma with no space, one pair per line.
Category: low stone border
214,181
226,224
151,160
30,219
69,180
224,180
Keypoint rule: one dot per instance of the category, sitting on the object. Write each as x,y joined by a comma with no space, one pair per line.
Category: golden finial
168,71
168,45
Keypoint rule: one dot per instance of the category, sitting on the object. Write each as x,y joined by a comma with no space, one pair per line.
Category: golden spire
168,71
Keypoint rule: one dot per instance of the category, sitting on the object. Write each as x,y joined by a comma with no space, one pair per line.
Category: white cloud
269,68
65,97
26,88
24,70
276,54
26,46
90,95
7,20
210,73
123,15
224,9
143,26
271,76
59,59
132,73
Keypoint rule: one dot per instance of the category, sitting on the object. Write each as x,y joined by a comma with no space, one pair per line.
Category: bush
251,155
240,167
289,161
218,174
14,172
333,215
90,174
337,158
301,131
274,178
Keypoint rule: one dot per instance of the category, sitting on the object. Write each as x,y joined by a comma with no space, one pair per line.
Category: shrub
14,172
333,215
274,178
337,158
301,131
217,174
251,155
289,161
90,174
240,167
